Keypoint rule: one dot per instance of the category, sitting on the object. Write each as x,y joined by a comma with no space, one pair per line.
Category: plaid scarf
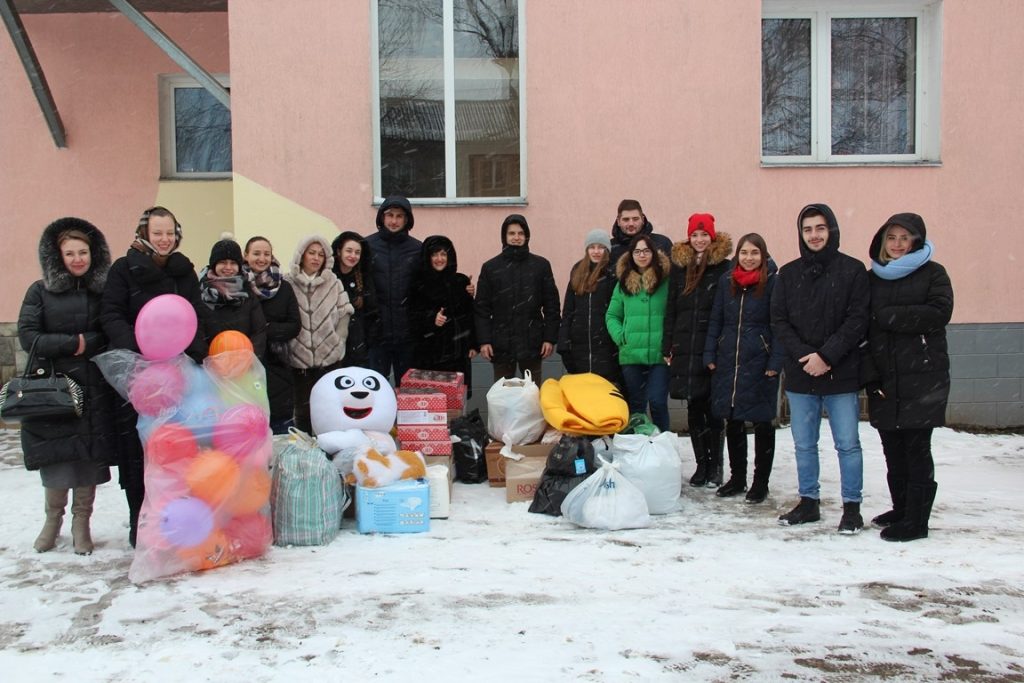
222,291
267,283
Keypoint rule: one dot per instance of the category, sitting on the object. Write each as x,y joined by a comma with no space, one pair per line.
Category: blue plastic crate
400,508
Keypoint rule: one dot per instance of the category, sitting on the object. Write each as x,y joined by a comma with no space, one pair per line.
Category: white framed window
850,82
449,111
195,129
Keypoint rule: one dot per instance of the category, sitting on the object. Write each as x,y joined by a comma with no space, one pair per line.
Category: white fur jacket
324,311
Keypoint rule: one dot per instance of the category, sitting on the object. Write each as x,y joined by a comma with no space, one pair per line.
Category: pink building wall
657,100
102,72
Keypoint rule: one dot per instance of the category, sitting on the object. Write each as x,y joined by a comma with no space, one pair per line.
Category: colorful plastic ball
213,477
241,430
171,443
249,535
156,388
214,551
249,387
199,411
252,494
230,340
186,522
231,354
165,327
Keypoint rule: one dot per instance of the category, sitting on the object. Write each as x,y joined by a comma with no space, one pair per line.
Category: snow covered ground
717,591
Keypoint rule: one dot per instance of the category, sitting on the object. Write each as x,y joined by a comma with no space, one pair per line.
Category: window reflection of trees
202,128
785,87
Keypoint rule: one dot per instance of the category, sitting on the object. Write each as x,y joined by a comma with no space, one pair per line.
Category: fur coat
324,311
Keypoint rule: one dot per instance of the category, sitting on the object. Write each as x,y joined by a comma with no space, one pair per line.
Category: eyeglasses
641,252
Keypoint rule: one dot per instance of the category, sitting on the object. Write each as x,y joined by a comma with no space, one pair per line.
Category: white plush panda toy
353,410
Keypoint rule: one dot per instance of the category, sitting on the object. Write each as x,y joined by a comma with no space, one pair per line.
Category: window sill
454,203
852,164
193,179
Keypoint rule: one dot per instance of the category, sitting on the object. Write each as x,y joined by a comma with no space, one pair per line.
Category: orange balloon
252,494
231,354
214,552
213,477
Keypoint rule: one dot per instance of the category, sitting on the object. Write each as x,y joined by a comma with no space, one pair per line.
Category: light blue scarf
904,265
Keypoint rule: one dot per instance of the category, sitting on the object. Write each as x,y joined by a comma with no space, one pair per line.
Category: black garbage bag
468,451
569,463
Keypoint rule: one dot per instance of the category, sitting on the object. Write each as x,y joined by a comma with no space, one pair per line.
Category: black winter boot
898,494
135,495
851,522
736,438
764,457
807,510
716,458
914,524
697,437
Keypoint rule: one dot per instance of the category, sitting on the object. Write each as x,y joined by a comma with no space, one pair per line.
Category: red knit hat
701,221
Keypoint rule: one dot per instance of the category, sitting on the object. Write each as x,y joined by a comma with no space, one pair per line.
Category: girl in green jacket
635,321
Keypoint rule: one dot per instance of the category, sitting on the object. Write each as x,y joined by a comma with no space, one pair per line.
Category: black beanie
226,250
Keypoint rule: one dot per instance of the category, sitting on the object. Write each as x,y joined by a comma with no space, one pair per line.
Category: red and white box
429,447
421,406
420,432
451,384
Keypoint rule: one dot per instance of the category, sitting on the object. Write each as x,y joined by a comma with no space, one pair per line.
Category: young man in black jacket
820,311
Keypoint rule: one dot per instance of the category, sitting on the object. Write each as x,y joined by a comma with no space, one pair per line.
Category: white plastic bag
514,415
652,464
606,500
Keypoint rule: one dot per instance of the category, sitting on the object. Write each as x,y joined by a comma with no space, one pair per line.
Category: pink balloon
241,430
165,327
157,388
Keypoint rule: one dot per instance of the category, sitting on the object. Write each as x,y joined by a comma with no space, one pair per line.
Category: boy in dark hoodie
516,306
820,311
396,257
631,221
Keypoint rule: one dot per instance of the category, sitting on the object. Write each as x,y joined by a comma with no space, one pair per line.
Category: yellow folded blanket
584,405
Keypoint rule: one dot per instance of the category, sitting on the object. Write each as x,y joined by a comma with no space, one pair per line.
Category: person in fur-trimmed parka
324,311
60,318
152,266
697,267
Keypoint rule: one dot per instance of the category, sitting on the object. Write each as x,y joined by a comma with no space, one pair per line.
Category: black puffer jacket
620,240
907,356
135,279
446,347
282,315
55,311
687,317
396,257
245,316
364,325
583,339
741,346
516,301
820,305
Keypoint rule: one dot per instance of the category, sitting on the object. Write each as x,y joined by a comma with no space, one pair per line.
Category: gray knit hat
598,236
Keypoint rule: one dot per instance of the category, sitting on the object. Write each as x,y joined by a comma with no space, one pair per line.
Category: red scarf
746,278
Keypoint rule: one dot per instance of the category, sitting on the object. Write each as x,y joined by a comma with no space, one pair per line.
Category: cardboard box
422,432
452,384
421,406
402,507
429,447
522,478
496,462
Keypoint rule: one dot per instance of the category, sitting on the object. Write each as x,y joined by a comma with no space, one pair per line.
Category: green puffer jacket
636,316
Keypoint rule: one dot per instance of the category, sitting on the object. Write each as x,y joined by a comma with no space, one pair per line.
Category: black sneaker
731,488
852,522
805,511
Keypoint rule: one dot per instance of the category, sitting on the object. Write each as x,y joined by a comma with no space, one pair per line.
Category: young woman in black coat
281,312
60,321
697,266
226,292
153,266
353,264
745,364
907,368
583,340
441,311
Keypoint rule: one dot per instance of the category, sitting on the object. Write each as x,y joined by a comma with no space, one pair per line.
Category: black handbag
53,395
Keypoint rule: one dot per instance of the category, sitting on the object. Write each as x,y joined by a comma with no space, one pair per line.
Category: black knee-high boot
764,458
134,493
736,439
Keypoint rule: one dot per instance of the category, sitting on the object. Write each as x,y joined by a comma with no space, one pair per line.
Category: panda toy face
352,398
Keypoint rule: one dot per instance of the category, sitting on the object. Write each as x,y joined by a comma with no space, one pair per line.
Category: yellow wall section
205,210
261,211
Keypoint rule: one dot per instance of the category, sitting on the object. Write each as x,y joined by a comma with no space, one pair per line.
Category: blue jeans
385,356
648,385
843,417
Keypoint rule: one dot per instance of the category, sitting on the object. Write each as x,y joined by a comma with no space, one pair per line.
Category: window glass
202,132
785,87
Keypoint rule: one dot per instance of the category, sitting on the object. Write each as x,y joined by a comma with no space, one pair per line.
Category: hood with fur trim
633,281
296,264
719,250
56,277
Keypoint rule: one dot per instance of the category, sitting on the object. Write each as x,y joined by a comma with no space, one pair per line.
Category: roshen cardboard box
522,478
421,407
496,461
452,384
429,447
422,432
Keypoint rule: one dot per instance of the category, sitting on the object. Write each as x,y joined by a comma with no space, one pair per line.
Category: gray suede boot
56,499
81,511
